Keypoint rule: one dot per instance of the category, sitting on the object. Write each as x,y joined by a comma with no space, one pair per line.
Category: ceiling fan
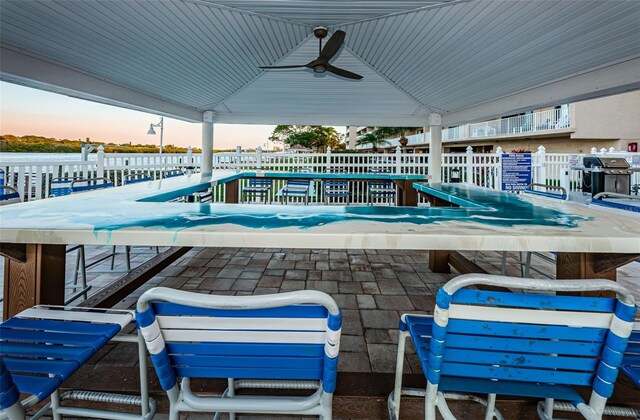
321,64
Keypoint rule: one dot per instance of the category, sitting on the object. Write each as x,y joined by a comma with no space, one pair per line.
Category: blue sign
516,171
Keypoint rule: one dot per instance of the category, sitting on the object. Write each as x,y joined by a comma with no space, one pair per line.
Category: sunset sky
26,111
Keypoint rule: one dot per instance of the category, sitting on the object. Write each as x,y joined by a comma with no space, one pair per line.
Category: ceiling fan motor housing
320,32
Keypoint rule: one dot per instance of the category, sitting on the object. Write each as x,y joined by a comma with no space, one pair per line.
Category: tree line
39,144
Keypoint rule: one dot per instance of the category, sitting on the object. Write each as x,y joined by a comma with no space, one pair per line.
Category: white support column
351,145
207,143
435,147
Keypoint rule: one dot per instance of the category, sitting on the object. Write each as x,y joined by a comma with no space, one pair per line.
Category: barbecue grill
611,175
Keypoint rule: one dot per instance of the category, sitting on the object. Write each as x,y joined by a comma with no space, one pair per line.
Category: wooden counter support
39,279
408,195
231,193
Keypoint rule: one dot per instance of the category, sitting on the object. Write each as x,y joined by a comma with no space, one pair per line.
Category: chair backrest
547,191
135,178
625,202
293,335
62,186
529,337
259,182
172,174
381,185
336,185
298,183
90,184
9,195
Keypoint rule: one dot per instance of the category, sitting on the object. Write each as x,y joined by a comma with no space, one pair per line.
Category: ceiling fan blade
343,72
283,67
333,45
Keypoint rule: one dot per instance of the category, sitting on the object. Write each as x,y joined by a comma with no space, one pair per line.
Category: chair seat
420,330
42,347
255,190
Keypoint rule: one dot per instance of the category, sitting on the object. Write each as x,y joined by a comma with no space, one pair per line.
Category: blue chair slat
526,345
522,389
80,354
499,329
40,386
247,349
293,311
503,372
107,330
61,368
39,337
249,373
507,359
567,303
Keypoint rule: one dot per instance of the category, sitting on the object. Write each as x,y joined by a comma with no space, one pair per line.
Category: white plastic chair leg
397,389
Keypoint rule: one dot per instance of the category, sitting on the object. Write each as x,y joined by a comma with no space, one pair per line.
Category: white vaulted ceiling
463,59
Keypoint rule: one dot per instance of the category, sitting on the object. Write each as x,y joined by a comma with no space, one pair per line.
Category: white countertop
485,220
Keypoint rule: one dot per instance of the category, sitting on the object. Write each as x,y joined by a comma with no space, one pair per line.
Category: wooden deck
372,287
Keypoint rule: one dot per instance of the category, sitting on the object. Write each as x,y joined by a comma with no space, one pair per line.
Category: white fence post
612,150
100,165
238,158
189,156
398,160
328,160
541,173
498,168
469,165
259,158
603,150
594,150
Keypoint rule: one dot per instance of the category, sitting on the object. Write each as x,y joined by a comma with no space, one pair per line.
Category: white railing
32,179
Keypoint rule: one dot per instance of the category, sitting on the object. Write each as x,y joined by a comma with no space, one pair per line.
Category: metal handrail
616,195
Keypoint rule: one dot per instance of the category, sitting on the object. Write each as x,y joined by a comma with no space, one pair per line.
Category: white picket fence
33,179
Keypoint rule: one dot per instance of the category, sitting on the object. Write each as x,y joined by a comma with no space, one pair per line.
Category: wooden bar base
39,279
231,193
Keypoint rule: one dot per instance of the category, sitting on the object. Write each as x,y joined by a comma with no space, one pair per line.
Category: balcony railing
541,121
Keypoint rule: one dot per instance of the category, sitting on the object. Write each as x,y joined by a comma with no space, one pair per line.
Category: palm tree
372,139
386,132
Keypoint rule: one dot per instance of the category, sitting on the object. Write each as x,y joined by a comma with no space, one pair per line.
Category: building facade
612,121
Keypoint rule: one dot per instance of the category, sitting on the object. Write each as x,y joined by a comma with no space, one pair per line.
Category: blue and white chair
9,195
336,190
43,346
257,187
281,341
616,203
295,188
381,189
62,186
519,344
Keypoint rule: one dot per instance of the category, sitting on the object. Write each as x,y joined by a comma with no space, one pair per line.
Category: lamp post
153,132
